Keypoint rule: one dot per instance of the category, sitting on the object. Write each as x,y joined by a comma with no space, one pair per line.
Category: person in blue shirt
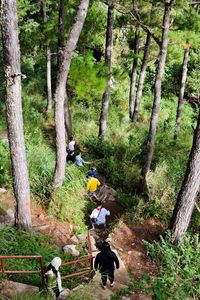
93,173
79,160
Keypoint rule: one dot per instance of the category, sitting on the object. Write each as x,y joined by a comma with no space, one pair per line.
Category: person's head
56,262
105,247
71,138
98,203
54,265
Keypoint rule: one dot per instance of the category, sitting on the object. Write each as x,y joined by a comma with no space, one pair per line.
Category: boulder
9,289
71,249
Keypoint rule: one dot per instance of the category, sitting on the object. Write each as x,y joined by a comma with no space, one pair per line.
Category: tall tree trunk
61,27
11,60
68,120
108,61
48,60
134,74
60,94
49,88
182,90
186,198
157,89
61,23
142,77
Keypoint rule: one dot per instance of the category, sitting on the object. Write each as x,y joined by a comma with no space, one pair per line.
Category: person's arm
92,214
107,212
59,282
116,260
88,186
98,183
96,262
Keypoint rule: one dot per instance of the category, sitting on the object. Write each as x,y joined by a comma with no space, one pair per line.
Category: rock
65,293
74,240
71,249
9,289
82,237
3,190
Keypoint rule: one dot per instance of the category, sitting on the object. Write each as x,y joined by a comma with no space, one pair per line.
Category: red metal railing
4,271
86,270
88,259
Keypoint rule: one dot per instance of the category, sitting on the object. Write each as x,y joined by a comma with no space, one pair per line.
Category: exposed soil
42,223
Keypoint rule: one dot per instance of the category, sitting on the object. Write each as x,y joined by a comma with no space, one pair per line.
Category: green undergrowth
179,270
13,242
178,276
69,202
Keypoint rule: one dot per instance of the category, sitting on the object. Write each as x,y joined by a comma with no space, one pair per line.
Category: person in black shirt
106,261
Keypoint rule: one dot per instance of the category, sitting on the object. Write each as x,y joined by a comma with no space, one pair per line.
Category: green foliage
178,269
68,202
15,242
87,77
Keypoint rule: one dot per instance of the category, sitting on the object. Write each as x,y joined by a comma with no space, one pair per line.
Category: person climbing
80,161
106,261
93,173
70,150
52,279
92,185
98,215
71,144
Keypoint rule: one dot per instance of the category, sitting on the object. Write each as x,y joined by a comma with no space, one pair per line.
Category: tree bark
108,60
181,92
61,23
141,78
68,120
48,60
134,74
60,93
186,198
12,71
61,27
157,89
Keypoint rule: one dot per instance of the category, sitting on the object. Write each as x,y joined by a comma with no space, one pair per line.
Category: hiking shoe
112,284
103,286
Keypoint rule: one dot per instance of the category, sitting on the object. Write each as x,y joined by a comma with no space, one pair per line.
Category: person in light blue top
79,161
98,215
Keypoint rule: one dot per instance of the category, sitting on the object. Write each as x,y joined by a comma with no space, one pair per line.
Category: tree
141,78
157,88
182,90
12,71
60,93
186,198
134,73
48,59
61,31
108,61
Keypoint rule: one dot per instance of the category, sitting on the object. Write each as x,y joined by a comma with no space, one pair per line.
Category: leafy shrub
179,272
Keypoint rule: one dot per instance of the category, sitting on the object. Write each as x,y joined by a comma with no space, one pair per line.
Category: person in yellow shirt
92,185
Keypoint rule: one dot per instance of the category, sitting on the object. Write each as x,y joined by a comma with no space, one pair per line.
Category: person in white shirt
71,144
98,215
